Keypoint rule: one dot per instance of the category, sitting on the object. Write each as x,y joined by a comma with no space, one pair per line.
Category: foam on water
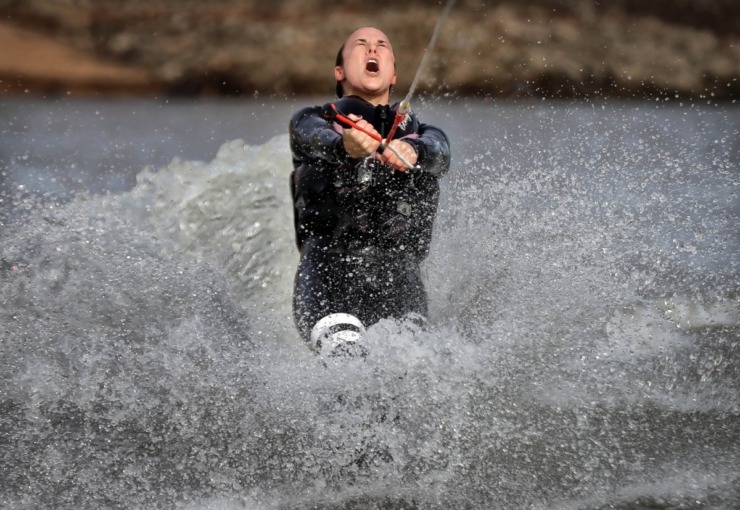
574,358
235,213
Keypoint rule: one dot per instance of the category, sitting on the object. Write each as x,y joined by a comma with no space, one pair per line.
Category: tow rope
405,106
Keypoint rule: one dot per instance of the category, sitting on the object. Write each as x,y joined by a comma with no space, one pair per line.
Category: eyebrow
380,41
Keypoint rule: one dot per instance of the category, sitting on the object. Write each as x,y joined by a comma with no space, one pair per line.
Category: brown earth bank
548,48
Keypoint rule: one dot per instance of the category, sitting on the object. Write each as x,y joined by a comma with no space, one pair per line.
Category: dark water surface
584,295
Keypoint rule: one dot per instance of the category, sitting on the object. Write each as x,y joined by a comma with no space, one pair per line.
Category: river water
584,304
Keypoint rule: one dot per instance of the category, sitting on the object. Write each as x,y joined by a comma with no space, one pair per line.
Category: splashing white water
148,357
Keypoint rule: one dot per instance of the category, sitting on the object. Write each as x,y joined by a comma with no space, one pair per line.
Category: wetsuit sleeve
313,137
432,149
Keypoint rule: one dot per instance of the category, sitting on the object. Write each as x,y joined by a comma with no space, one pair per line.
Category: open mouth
372,66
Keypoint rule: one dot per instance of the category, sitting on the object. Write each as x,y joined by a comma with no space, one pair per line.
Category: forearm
433,150
313,137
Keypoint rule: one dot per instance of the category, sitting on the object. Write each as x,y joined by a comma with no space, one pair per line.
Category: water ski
339,335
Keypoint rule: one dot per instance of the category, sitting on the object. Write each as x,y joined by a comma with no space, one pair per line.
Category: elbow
440,163
434,155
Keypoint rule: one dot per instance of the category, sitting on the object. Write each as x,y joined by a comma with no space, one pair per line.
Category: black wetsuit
362,228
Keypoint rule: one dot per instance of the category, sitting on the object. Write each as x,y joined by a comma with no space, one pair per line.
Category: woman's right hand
357,143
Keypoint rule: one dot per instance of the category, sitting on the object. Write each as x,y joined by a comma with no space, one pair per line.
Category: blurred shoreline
545,48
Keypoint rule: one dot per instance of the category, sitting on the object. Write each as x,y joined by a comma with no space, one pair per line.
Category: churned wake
581,352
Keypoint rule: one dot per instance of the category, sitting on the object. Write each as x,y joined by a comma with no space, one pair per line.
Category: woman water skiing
364,205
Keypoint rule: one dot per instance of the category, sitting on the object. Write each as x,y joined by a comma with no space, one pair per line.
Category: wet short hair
339,62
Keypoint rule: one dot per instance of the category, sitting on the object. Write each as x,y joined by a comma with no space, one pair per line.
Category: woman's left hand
405,150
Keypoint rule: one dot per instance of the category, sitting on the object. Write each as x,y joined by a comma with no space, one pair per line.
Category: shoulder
432,130
305,112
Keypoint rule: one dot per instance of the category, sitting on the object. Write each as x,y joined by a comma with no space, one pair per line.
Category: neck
374,99
384,99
